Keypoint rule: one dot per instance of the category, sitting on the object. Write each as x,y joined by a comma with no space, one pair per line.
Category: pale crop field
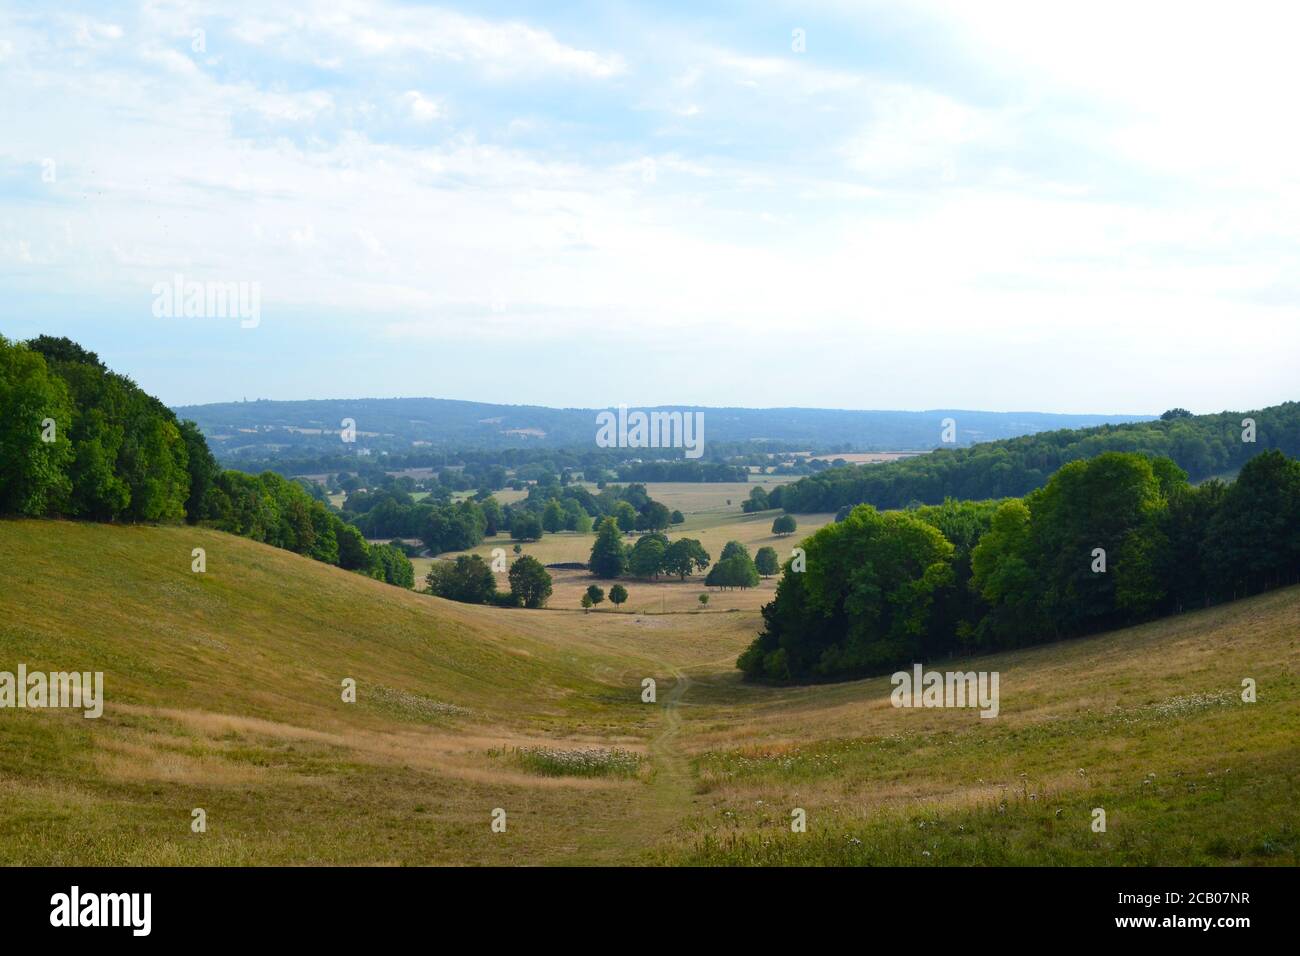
691,497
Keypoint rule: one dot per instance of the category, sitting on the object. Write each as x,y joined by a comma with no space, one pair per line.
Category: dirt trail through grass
665,801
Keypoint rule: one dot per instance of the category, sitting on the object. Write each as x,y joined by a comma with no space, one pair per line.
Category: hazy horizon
757,408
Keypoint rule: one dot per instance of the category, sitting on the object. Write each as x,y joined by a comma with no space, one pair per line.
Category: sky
995,205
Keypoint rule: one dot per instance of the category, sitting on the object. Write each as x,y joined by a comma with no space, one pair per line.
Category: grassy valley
223,693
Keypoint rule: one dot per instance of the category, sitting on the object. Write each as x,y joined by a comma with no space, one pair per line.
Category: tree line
391,511
653,555
80,441
1107,542
1201,445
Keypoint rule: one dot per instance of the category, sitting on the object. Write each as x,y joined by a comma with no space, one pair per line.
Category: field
712,529
713,516
223,693
706,498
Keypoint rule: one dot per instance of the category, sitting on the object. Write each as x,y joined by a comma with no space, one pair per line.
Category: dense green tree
468,579
734,549
608,555
576,517
766,561
646,559
202,468
958,606
626,516
530,583
784,524
493,519
33,471
325,544
391,564
595,593
553,517
1186,529
446,527
1112,502
1002,572
862,605
354,553
654,517
1253,540
525,526
684,557
733,572
131,458
617,595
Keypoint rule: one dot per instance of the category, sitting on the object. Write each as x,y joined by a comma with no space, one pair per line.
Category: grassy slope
223,693
1147,723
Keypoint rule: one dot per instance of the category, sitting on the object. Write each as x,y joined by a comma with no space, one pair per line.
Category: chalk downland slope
223,694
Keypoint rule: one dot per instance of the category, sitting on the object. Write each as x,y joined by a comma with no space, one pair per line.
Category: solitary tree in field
530,584
704,600
596,594
766,561
617,594
586,601
467,579
784,525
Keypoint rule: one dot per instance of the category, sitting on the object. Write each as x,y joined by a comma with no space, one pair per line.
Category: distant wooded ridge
264,428
1204,446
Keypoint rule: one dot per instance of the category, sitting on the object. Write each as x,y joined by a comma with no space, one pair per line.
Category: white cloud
387,30
422,108
915,131
901,232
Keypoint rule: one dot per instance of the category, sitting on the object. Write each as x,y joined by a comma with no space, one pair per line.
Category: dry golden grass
223,693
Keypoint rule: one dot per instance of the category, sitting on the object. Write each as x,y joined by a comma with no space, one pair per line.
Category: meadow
668,593
713,516
223,693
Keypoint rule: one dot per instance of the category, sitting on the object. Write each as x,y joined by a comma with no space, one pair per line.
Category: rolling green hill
223,693
292,429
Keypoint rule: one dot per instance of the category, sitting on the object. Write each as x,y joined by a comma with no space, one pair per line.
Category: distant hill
1205,446
263,429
